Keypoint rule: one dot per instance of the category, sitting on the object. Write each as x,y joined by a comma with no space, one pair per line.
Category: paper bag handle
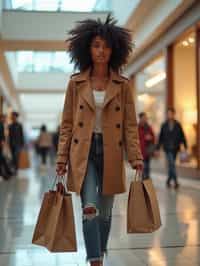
62,181
137,176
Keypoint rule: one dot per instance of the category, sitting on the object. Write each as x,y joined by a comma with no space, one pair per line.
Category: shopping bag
55,228
143,215
184,157
24,162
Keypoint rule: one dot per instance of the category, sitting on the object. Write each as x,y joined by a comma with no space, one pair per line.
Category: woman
98,122
44,143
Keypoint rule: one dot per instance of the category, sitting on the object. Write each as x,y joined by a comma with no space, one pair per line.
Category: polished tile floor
176,243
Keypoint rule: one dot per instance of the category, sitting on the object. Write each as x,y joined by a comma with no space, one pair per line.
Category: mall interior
164,71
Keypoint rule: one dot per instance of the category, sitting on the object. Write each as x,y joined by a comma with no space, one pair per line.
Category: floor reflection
176,243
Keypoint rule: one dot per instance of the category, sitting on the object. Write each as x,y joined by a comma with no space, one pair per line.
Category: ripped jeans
97,208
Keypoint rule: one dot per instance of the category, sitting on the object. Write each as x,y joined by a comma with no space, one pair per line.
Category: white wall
19,25
38,81
123,9
156,16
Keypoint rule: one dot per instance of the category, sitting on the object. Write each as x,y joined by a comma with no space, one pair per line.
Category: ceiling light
185,43
155,80
191,39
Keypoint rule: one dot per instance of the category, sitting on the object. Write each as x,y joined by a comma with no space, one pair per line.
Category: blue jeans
171,158
146,172
97,208
15,151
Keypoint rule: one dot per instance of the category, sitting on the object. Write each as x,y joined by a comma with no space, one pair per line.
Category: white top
99,97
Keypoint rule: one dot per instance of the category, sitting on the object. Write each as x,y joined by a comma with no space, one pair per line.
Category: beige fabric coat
119,128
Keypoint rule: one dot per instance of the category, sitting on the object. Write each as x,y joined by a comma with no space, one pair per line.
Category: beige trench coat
119,128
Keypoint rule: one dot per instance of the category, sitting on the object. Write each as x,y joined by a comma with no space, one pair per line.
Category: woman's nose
101,48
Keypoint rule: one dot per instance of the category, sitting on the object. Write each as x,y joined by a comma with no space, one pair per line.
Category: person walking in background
98,122
55,139
44,143
15,138
5,171
147,142
171,137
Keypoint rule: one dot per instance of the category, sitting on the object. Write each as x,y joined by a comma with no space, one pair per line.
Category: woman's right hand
61,169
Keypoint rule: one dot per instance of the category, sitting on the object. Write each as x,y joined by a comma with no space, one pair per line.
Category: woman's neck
99,71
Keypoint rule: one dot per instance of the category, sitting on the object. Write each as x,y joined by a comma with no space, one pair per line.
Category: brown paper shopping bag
24,162
55,228
143,215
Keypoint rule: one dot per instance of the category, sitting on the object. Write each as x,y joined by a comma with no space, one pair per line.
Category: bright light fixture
185,43
191,39
155,80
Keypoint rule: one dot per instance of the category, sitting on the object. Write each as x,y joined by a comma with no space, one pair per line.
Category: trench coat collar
85,89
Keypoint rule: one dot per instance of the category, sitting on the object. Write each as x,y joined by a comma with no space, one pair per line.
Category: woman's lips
101,57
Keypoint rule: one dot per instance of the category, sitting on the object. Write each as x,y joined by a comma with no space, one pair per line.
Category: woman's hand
139,167
61,169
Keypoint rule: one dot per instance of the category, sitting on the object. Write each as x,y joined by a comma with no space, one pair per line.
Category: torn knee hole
90,212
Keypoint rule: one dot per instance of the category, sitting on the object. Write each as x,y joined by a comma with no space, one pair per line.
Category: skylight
58,5
30,61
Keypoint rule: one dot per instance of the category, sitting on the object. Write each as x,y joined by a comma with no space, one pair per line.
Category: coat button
80,124
120,143
118,125
76,141
117,108
81,106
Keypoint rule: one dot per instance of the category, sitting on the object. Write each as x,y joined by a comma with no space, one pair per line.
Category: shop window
150,91
185,94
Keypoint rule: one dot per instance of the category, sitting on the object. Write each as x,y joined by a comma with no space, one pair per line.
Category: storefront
150,84
185,89
170,77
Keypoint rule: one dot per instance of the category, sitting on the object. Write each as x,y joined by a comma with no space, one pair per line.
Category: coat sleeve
9,134
65,134
152,134
2,135
22,135
160,138
132,145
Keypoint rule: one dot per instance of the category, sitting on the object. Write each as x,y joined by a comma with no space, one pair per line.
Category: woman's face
100,51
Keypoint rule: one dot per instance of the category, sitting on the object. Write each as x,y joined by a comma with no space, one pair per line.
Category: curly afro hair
118,38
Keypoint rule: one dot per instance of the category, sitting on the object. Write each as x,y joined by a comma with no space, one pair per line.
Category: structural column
198,92
1,104
169,76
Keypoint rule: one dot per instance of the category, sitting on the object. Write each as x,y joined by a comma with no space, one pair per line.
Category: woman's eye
96,45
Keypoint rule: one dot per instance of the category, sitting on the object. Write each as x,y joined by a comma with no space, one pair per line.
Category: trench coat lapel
86,93
83,83
113,87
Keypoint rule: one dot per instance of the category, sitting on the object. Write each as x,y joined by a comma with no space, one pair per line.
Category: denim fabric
15,151
146,172
171,158
96,227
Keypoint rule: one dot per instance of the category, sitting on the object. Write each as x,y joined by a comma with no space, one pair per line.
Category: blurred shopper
147,142
5,171
16,139
44,144
171,137
98,122
55,139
